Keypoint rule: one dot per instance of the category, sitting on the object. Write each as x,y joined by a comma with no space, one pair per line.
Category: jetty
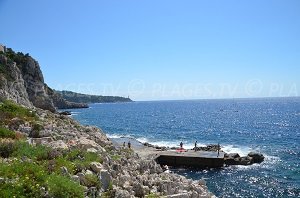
190,158
203,158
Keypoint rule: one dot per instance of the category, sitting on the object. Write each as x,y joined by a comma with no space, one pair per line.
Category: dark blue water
269,126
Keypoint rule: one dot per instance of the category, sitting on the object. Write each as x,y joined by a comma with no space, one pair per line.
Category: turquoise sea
270,126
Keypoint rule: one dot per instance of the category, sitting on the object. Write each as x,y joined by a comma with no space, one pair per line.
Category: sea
270,126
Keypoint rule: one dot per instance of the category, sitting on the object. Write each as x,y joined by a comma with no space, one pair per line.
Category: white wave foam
241,150
142,140
118,136
175,144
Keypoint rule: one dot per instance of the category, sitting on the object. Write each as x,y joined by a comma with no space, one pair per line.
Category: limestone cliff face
12,84
22,81
35,86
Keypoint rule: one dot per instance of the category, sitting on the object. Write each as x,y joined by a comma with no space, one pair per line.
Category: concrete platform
198,159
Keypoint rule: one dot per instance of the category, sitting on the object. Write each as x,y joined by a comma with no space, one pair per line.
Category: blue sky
160,49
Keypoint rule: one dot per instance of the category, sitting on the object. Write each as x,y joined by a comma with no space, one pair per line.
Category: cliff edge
22,81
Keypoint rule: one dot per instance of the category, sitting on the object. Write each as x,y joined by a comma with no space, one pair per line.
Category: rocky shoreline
123,173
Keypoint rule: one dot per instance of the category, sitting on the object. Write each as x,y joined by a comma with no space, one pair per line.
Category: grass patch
61,187
24,179
92,181
82,159
6,133
116,157
9,110
41,170
23,149
152,195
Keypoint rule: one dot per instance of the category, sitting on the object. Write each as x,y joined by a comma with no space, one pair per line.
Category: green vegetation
4,70
39,167
152,195
6,133
36,128
115,157
61,187
6,148
19,58
10,110
27,179
31,171
24,149
92,180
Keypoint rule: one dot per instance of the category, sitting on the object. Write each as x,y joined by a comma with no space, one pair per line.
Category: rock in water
256,157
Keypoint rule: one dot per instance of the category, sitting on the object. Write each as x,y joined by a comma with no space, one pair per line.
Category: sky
160,49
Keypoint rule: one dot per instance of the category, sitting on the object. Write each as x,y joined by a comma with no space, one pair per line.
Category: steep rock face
12,84
22,81
35,86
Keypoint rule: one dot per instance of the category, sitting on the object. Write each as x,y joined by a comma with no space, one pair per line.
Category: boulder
82,179
85,143
245,161
92,192
75,178
138,189
119,193
65,113
59,144
256,157
43,140
179,195
233,155
64,171
96,167
92,150
88,172
105,179
15,123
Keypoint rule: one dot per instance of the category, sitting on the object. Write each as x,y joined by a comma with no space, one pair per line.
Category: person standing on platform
195,146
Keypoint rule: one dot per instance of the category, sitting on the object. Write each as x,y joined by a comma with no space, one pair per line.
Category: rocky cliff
22,81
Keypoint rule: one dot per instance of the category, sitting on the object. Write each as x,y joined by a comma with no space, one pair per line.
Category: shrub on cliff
35,132
10,110
7,147
23,149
